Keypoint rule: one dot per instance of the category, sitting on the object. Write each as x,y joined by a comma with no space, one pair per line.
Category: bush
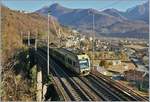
105,63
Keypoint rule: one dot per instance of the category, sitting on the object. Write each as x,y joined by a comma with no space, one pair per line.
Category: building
115,47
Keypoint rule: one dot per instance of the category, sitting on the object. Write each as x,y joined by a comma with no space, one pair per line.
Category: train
74,61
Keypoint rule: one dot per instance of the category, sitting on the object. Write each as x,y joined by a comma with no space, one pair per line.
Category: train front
84,63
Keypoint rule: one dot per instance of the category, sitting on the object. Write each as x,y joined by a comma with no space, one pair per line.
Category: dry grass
15,87
18,87
121,67
15,22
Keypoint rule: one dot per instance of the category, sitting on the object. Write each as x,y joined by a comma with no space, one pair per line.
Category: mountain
134,29
75,17
15,22
55,9
139,12
106,21
115,13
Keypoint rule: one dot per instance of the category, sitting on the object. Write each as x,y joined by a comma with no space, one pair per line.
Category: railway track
87,88
72,88
98,90
113,91
57,84
123,91
85,92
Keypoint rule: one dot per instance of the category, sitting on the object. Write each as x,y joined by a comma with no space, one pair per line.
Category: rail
126,92
94,87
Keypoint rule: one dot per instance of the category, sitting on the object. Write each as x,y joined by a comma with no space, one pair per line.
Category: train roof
73,54
66,52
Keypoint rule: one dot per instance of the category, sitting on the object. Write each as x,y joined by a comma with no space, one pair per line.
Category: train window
69,61
84,63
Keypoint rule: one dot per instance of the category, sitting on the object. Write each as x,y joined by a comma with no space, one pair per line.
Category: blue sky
32,5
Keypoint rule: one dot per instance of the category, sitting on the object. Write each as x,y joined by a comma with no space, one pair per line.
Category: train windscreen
84,64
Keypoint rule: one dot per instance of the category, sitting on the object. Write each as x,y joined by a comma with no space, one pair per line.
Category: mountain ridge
81,19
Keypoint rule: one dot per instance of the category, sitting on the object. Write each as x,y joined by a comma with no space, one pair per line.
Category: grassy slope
15,22
18,86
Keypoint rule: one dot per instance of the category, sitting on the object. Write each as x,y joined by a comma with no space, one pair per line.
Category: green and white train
76,62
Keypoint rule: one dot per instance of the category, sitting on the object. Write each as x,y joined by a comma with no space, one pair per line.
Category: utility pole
93,39
28,38
36,40
59,38
141,85
35,47
39,73
93,36
28,56
48,46
21,37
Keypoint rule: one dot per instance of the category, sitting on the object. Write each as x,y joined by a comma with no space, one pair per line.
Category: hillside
19,81
15,22
105,21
